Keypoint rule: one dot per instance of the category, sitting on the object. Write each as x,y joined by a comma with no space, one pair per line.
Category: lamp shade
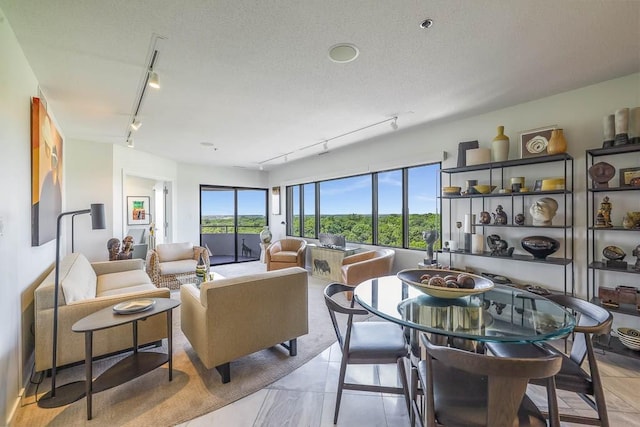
97,216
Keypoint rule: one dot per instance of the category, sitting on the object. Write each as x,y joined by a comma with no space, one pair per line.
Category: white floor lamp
71,392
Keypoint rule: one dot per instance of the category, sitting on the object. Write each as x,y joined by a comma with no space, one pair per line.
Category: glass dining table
503,313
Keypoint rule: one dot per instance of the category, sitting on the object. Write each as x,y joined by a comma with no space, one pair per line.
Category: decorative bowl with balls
445,283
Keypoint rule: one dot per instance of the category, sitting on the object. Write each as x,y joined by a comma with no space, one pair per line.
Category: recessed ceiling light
207,144
343,52
427,23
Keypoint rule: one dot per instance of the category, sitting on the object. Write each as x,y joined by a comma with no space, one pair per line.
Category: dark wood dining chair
364,342
591,320
463,388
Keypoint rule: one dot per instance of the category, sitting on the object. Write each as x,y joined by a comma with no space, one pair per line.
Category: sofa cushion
175,251
79,281
121,280
284,256
178,267
128,290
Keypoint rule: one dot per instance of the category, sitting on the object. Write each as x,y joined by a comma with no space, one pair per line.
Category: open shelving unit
595,233
597,270
499,173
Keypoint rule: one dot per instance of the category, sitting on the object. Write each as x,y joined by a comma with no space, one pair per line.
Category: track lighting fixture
154,80
130,142
393,122
135,125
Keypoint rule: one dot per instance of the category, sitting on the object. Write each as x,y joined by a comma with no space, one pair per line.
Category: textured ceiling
254,77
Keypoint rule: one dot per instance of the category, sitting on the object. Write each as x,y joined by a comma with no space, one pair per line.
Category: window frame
374,204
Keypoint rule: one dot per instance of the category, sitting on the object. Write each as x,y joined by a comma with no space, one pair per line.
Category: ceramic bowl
449,191
484,189
629,337
412,277
540,246
551,184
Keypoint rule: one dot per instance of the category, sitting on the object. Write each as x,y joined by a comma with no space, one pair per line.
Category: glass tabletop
503,313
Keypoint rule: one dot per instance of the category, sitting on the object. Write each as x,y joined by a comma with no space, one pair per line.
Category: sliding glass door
231,219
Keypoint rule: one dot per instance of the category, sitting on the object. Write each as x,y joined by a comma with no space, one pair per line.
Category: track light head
130,142
325,146
394,123
154,80
135,125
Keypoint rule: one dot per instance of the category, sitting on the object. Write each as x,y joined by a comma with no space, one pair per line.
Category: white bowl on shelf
629,337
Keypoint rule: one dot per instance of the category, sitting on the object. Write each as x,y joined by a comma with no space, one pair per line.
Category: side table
134,365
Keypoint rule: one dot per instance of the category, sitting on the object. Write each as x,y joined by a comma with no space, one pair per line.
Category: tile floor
306,397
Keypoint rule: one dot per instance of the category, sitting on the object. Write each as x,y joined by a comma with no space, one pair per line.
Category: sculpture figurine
605,212
636,253
498,246
430,238
519,219
127,248
113,246
543,211
500,217
485,217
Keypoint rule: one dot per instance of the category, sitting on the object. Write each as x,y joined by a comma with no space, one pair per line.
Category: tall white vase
500,146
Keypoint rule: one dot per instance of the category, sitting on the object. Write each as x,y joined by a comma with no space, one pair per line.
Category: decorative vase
557,142
265,235
201,269
500,146
540,246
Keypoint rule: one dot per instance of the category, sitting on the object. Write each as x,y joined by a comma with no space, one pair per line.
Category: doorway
231,219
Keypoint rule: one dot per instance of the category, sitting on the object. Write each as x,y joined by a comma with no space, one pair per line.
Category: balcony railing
221,241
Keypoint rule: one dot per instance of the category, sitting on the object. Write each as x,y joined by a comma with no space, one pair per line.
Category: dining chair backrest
459,381
334,307
370,343
591,320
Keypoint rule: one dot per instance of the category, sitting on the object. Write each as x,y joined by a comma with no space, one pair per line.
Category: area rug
194,391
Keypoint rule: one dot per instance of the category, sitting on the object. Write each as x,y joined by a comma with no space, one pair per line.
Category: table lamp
71,392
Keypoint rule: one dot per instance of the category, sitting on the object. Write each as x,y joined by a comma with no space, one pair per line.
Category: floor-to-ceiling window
230,222
386,208
345,208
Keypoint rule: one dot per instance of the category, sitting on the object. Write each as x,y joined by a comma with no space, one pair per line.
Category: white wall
190,177
88,180
20,263
129,162
579,112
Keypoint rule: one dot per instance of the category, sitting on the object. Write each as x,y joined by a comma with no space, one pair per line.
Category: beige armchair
171,264
286,253
230,318
367,265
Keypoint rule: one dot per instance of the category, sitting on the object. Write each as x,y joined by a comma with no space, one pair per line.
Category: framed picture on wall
275,200
46,174
138,210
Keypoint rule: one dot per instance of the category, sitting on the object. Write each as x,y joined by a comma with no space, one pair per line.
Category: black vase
540,246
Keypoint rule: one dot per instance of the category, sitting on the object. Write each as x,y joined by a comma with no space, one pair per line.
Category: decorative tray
134,306
413,277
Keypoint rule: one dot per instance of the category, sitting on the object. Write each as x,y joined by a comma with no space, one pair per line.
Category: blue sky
342,196
220,202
